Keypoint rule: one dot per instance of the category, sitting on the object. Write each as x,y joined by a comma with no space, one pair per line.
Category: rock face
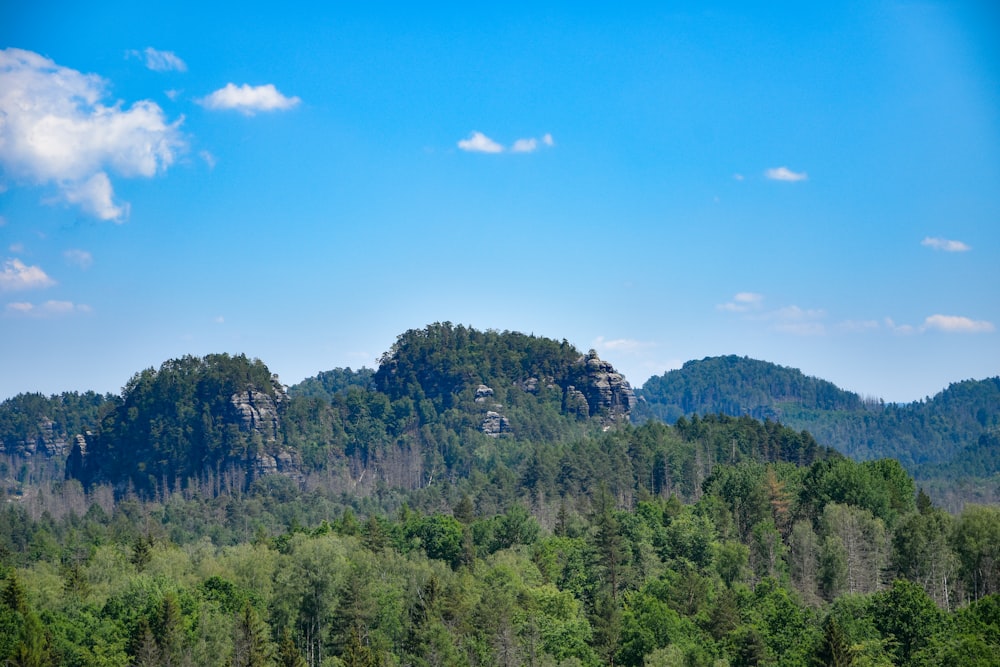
483,393
258,413
495,424
49,441
575,402
283,462
608,392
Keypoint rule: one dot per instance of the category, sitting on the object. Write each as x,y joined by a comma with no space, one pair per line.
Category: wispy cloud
859,326
160,61
956,324
47,309
57,131
946,245
248,99
524,146
16,276
208,158
785,174
620,344
480,143
787,319
743,302
798,321
79,258
477,142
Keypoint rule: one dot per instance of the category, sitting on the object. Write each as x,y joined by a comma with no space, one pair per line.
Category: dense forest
479,499
944,438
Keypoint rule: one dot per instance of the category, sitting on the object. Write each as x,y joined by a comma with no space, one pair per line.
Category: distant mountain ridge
439,391
932,433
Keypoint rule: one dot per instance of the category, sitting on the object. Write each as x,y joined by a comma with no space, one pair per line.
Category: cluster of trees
945,437
833,563
176,423
398,533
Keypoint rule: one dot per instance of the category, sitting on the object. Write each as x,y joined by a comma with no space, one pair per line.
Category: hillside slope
930,432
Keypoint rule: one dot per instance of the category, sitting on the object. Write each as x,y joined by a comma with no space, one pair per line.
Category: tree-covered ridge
33,423
736,386
932,431
190,417
326,384
441,361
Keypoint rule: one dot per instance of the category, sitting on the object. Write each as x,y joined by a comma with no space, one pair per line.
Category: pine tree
288,653
834,651
250,645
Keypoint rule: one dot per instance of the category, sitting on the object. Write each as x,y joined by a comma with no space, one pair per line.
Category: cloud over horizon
56,131
46,309
956,324
248,99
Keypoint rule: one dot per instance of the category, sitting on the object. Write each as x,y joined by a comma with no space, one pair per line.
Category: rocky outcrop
283,462
483,393
495,424
608,393
575,402
48,440
257,413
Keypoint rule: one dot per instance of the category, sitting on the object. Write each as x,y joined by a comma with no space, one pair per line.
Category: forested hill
945,429
738,386
447,403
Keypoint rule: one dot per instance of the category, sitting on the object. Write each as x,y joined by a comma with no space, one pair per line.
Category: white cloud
737,177
249,99
95,196
480,143
743,302
786,174
903,329
56,130
47,309
945,244
18,276
956,324
80,258
524,146
620,344
160,61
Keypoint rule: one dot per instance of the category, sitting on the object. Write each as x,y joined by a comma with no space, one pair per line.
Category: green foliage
175,424
951,435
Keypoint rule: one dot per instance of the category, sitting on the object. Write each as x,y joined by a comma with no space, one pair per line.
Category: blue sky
814,186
